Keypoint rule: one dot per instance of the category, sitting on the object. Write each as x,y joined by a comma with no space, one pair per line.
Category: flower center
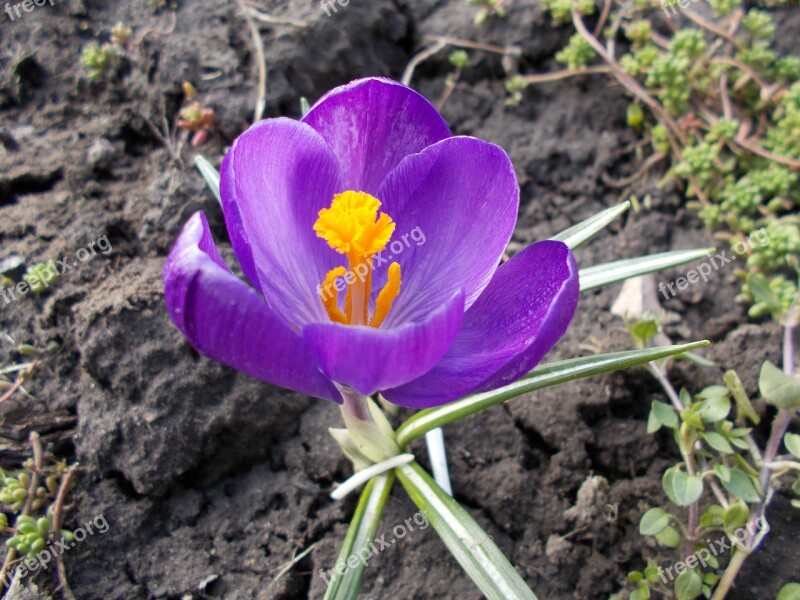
353,226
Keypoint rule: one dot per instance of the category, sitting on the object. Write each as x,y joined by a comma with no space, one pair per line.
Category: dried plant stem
440,42
261,62
258,15
21,378
737,560
715,29
598,29
566,73
58,521
674,133
419,58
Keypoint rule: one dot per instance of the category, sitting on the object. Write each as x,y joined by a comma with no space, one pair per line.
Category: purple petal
273,182
460,198
370,360
520,316
371,125
225,319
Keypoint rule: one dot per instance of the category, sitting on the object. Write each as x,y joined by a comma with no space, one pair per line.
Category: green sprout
491,8
41,276
97,59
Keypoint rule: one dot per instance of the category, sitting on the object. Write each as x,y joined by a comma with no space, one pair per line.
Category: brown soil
211,481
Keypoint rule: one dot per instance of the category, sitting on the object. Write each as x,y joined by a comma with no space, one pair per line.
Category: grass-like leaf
360,534
474,550
600,275
579,234
541,377
210,174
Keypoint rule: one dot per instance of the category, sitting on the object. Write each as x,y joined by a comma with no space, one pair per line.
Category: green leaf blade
474,550
210,175
360,534
778,388
600,275
792,443
579,234
653,522
541,377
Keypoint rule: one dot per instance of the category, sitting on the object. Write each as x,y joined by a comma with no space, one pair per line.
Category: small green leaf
685,396
653,522
790,591
745,466
696,358
713,391
715,408
792,443
688,585
744,408
692,417
651,572
718,442
681,488
777,387
740,443
713,516
661,414
741,486
635,577
669,537
723,472
642,330
644,591
735,517
710,578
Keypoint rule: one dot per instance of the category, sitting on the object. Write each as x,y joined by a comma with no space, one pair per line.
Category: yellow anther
330,295
386,296
353,226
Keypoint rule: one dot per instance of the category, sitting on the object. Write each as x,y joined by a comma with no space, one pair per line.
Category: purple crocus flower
371,238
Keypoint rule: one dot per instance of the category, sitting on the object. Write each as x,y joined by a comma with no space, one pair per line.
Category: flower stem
779,426
354,403
737,560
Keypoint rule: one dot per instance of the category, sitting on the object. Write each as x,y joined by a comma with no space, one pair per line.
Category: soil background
211,482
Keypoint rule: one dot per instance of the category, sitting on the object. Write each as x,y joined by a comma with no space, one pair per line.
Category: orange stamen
353,226
386,296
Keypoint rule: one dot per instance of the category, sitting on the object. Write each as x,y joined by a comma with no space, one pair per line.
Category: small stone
101,154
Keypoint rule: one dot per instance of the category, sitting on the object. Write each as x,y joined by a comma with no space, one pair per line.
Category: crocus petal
461,197
273,182
519,317
371,125
225,319
370,360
